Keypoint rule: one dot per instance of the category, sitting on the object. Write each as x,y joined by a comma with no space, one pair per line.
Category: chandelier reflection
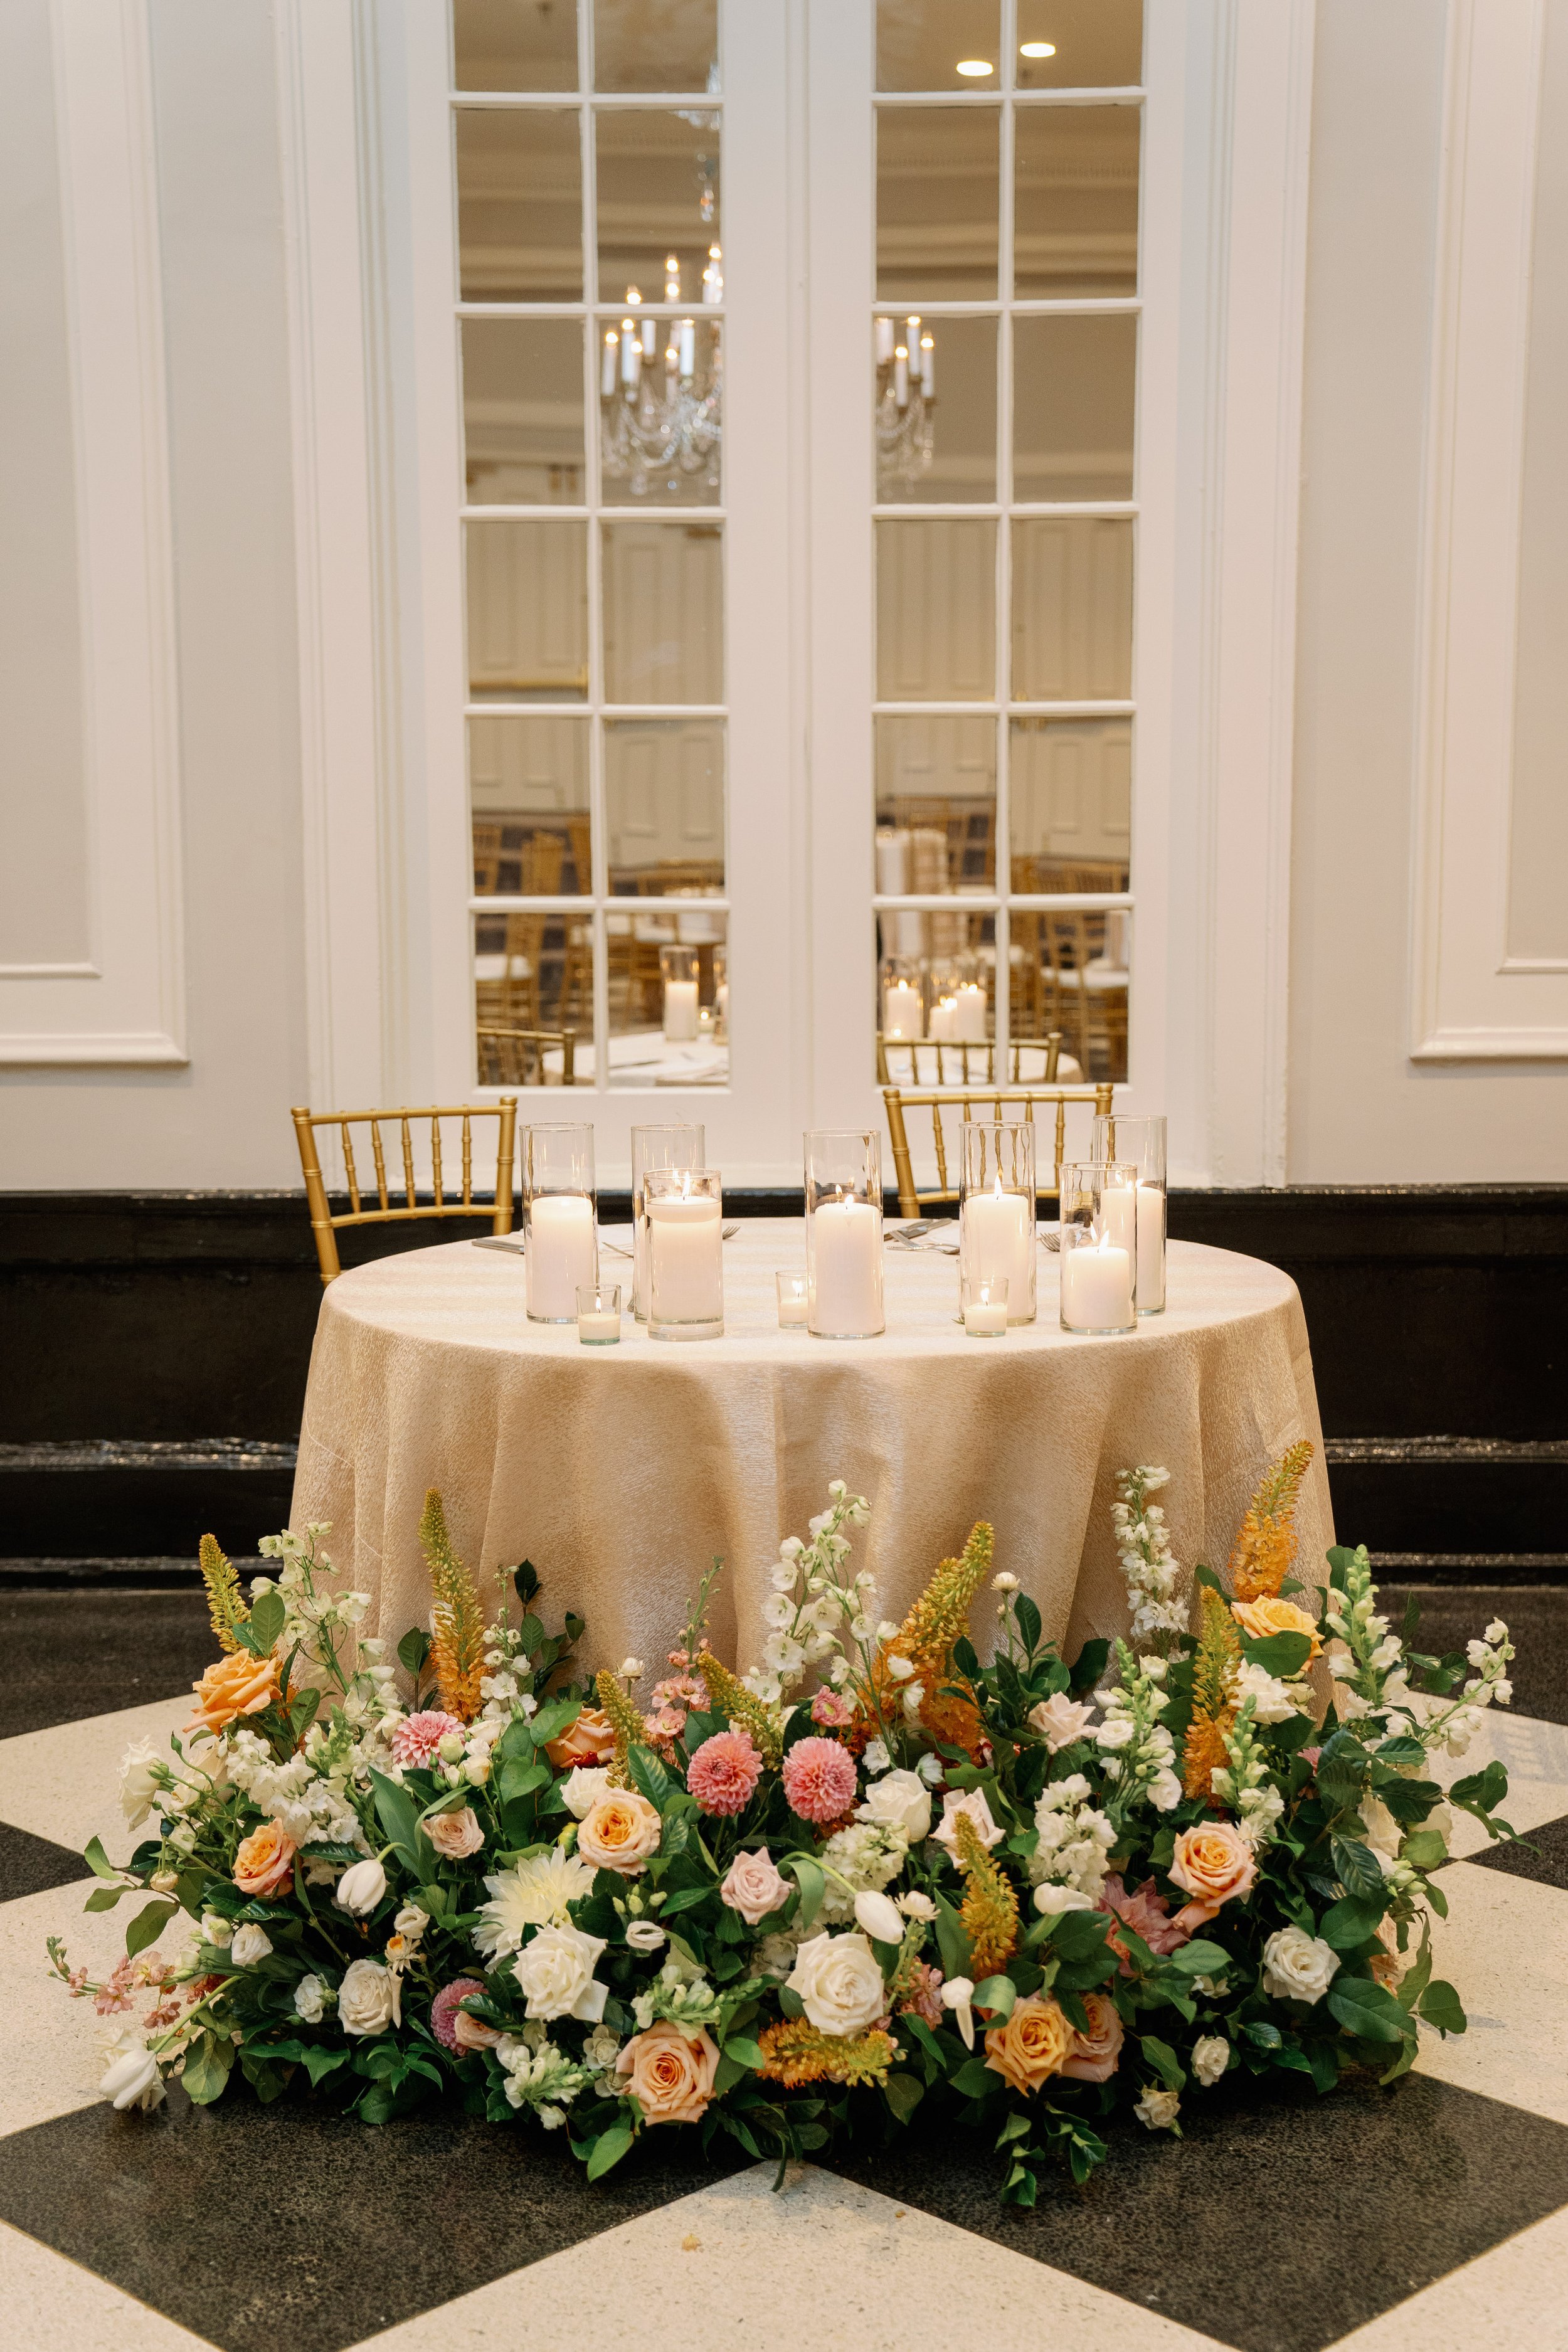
906,400
659,422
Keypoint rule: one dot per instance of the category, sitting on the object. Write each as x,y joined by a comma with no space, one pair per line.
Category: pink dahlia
417,1737
831,1708
723,1772
819,1780
1147,1914
444,2009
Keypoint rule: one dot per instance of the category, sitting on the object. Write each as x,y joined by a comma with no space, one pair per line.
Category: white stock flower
368,1998
1211,2056
1298,1966
839,1982
583,1787
877,1758
555,1975
310,1999
931,1767
1157,2110
251,1944
902,1802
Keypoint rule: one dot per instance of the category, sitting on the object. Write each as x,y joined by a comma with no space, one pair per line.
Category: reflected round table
620,1470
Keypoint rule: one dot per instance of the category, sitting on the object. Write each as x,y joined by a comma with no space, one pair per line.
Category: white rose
1271,1700
1211,2056
1298,1966
216,1930
310,1999
133,2079
901,1800
1059,1720
839,1983
1164,1791
555,1975
138,1789
880,1917
972,1804
251,1944
411,1922
1157,2109
645,1935
367,1998
583,1787
1382,1832
1051,1901
361,1888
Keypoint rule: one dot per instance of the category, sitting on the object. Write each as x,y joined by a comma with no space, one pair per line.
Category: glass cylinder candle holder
984,1299
903,1001
560,1227
599,1314
996,1209
1140,1143
1096,1266
684,1210
795,1301
678,1144
678,973
844,1234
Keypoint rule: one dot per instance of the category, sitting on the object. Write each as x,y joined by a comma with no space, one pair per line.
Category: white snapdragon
1137,1752
541,2077
817,1607
1242,1783
1073,1838
1143,1549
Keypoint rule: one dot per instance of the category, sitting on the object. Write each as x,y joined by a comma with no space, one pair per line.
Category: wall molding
1469,1000
124,1002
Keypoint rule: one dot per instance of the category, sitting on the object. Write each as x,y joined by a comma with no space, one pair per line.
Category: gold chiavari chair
515,1057
325,1225
996,1102
956,1062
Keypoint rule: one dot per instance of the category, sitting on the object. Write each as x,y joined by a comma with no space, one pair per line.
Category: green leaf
952,1940
1284,1654
147,1925
813,1885
997,1994
1203,1575
206,2070
1090,1666
1409,1801
1440,2006
650,1776
1163,2060
904,2095
790,2001
1350,1922
1078,1935
1365,2008
525,1576
320,2062
1324,2059
104,1898
267,1618
685,1898
1342,1770
1423,1850
975,2079
1401,1748
520,1779
1028,1619
740,2046
553,1720
608,2149
1201,1958
529,1634
412,1651
97,1861
401,1822
1357,1868
1481,1792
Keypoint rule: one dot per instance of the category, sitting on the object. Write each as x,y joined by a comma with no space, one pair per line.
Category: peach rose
620,1832
590,1740
672,2077
472,2032
1261,1618
1095,2054
265,1859
1031,2046
237,1684
453,1836
1212,1863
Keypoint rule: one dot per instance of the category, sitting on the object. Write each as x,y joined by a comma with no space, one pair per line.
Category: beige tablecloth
620,1470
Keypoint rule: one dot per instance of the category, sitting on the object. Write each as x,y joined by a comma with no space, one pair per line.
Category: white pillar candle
943,1013
679,1012
1119,1207
1097,1287
969,1015
1150,1246
685,1261
884,342
846,1269
902,376
560,1254
688,350
928,366
985,1322
901,1009
996,1240
608,365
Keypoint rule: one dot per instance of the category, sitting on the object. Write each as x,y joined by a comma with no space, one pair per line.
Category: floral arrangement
877,1875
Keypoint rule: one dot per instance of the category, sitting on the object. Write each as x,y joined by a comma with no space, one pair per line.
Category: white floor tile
1535,1753
1515,2296
63,1783
825,2265
1504,1948
53,2306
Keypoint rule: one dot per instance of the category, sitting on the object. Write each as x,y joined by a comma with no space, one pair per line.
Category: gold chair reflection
961,1063
515,1057
968,827
324,1226
996,1102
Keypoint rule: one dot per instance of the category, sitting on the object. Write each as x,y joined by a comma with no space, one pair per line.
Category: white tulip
361,1888
956,1994
880,1917
133,2080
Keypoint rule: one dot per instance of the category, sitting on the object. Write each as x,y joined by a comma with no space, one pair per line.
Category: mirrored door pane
936,202
658,206
1073,388
936,414
936,611
528,612
1072,608
1080,44
1070,975
664,807
666,968
527,789
925,44
1071,793
519,204
533,999
661,418
1075,219
522,412
663,622
936,803
522,45
663,45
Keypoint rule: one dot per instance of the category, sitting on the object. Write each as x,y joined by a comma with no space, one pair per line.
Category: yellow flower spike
226,1603
1267,1543
732,1699
795,2051
630,1729
456,1620
1214,1670
989,1912
939,1619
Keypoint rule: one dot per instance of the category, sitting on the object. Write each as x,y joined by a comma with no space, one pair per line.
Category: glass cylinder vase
996,1209
844,1232
1098,1249
681,985
559,1221
676,1144
1140,1143
684,1210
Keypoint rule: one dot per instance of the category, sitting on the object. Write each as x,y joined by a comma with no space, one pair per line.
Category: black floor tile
1535,1614
29,1864
257,2226
1276,2225
75,1653
1547,1866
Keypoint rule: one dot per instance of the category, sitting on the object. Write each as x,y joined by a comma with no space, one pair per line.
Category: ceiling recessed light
974,68
1037,49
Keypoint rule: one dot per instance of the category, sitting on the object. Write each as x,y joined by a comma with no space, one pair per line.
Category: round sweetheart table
620,1470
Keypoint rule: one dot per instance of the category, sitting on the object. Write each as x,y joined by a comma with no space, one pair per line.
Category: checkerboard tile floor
1430,2216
